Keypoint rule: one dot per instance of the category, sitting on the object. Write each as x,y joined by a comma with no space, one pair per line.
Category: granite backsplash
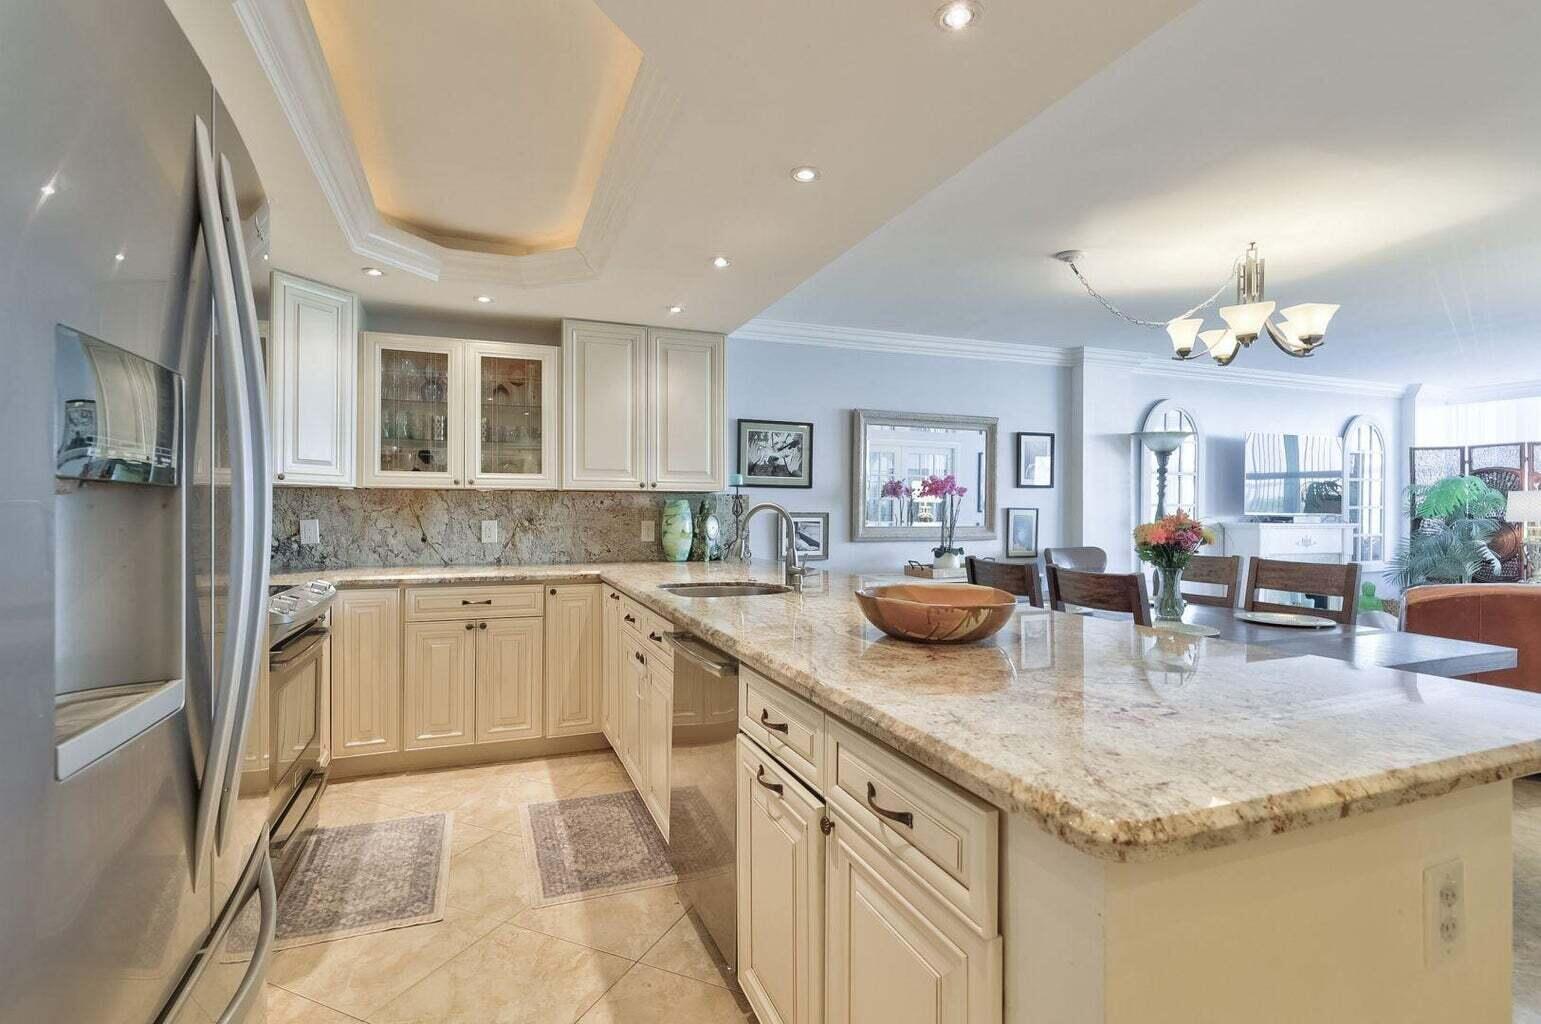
370,526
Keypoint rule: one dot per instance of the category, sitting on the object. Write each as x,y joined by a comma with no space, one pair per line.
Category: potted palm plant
1453,521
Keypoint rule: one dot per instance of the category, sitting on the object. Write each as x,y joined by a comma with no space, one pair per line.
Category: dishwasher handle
709,660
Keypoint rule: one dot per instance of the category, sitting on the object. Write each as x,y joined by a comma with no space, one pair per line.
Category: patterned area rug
597,845
357,879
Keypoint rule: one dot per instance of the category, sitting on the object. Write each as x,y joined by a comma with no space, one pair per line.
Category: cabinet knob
553,591
481,625
642,485
455,482
470,625
654,483
280,476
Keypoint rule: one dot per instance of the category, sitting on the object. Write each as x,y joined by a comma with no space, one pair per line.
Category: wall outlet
310,531
1444,912
647,530
489,531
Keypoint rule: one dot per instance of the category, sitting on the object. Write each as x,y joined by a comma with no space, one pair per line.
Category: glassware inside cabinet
414,411
509,400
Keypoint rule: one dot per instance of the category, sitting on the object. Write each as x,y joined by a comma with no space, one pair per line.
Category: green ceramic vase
677,530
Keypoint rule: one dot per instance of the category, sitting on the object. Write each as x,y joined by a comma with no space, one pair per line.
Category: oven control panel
298,605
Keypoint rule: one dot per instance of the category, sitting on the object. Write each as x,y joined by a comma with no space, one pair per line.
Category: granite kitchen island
1192,830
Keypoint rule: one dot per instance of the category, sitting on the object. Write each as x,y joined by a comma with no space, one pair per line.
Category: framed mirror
894,451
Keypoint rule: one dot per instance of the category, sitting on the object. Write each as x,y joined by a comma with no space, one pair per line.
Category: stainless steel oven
298,666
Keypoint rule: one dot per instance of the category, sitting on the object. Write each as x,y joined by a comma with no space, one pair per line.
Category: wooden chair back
1019,578
1104,591
1080,559
1315,579
1216,570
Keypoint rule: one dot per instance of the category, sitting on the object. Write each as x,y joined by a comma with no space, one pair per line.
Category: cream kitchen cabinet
509,670
644,408
439,684
449,412
366,672
574,669
780,891
610,693
312,382
657,739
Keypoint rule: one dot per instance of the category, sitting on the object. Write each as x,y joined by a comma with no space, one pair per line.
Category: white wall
806,383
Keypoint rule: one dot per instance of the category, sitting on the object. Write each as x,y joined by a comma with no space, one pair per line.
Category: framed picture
775,453
812,532
1035,460
979,485
1021,533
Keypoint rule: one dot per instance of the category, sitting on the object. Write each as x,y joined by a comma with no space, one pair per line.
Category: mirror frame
861,419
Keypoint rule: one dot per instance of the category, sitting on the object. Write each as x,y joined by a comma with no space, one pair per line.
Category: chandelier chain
1136,321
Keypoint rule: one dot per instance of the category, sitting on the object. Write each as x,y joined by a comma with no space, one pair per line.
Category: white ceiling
1385,155
870,91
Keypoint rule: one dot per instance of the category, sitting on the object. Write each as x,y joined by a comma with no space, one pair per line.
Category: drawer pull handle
654,637
615,597
904,818
774,787
765,721
464,601
630,618
640,659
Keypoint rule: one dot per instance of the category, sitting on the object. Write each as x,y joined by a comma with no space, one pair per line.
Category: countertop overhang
1126,743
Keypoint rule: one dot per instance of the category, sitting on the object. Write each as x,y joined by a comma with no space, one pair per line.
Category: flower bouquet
950,495
900,492
1168,544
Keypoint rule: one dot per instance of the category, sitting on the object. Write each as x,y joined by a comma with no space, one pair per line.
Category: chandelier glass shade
1299,333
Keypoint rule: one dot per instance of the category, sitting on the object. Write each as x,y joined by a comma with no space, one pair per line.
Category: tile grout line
315,1002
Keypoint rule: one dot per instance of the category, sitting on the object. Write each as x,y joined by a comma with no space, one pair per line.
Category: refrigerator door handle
258,489
257,970
238,604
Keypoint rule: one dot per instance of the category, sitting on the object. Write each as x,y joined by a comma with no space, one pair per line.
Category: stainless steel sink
728,588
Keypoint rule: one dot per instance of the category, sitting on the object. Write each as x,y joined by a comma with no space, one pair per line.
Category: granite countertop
1125,743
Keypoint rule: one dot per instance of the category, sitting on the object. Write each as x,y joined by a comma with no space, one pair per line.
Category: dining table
1359,644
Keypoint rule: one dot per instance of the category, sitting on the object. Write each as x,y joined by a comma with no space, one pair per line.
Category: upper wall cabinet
644,408
312,374
445,412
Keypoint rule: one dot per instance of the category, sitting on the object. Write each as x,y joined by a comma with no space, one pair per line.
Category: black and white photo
1021,533
775,453
1035,460
812,532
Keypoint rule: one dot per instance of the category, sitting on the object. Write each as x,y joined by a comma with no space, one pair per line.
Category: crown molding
285,42
788,333
892,342
1505,391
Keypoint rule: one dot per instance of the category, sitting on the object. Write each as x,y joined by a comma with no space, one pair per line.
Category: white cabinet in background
645,407
448,413
312,360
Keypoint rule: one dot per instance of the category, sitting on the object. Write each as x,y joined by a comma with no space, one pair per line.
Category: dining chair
1104,591
1080,559
1019,578
1314,579
1507,614
1223,571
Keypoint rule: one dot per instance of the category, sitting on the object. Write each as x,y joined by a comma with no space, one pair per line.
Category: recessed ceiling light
484,299
805,174
120,257
373,272
721,262
264,256
676,309
957,15
48,190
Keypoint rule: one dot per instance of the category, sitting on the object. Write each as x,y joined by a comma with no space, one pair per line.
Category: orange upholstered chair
1507,614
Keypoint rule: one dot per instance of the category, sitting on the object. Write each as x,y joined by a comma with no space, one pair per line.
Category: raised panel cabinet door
604,406
894,953
610,653
687,443
780,892
573,644
312,359
366,672
633,688
510,668
657,735
439,684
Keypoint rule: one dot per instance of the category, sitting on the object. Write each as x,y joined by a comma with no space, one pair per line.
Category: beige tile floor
496,958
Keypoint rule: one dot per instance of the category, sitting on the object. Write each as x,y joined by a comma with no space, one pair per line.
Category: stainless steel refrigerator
135,885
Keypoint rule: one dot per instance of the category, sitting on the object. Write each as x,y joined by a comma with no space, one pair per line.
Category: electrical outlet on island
1444,912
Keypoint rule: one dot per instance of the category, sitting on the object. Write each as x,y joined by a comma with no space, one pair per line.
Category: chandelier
1300,333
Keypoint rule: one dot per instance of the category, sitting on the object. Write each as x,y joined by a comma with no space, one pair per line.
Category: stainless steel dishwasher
703,795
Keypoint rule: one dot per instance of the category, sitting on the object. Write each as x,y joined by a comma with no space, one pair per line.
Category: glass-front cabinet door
412,417
510,415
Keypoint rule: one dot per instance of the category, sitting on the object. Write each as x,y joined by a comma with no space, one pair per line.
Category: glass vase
1169,593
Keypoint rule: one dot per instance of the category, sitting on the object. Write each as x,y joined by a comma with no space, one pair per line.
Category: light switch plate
310,531
489,531
647,530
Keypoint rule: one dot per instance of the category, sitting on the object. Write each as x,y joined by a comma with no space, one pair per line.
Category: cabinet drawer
948,839
634,617
655,638
1301,540
783,723
441,603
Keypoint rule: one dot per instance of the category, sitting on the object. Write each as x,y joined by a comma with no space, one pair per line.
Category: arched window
1364,487
1182,470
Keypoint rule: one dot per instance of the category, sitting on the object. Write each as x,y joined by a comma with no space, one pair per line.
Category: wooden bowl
936,613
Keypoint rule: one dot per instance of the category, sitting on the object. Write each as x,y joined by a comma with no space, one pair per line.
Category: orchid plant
946,489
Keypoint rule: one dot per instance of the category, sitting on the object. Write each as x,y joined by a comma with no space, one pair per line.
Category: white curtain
1516,419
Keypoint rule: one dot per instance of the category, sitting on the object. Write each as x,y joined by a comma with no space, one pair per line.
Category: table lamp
1525,507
